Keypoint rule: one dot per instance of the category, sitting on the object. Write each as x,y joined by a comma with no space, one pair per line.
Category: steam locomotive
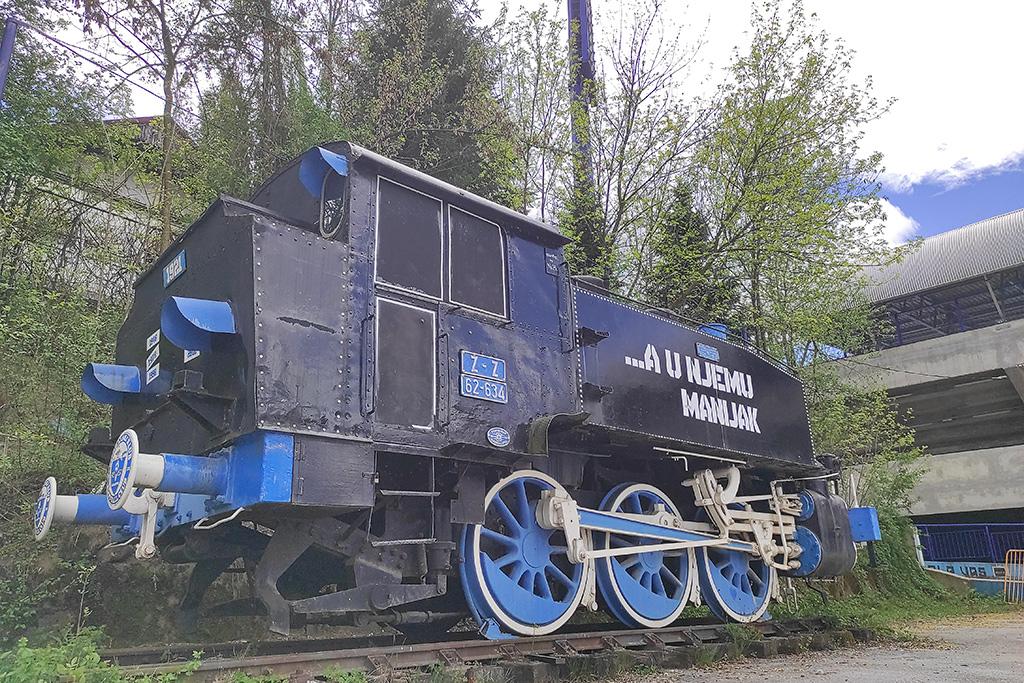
390,400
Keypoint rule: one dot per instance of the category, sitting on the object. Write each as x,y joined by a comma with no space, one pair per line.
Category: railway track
383,655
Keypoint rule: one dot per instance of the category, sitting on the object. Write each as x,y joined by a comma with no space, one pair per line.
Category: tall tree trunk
170,69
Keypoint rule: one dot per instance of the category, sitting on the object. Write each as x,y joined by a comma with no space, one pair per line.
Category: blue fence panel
969,542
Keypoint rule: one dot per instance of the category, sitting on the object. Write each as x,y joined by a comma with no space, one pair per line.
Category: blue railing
969,542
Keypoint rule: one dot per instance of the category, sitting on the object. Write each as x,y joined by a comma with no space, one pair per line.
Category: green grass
705,656
76,659
334,674
887,599
742,635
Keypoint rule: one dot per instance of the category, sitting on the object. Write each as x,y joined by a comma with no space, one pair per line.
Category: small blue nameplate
174,268
707,352
484,389
480,365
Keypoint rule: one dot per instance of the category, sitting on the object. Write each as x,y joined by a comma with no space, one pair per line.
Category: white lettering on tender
704,373
719,411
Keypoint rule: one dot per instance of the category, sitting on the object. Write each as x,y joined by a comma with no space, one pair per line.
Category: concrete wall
964,392
966,353
989,479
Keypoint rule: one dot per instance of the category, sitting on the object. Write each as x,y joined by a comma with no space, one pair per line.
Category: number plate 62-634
476,387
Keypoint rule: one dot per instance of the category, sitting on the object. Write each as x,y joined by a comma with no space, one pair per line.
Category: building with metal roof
955,362
964,279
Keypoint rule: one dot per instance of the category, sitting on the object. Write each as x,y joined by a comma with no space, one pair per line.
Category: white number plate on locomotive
485,389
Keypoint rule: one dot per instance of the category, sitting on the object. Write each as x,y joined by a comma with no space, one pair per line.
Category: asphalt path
978,648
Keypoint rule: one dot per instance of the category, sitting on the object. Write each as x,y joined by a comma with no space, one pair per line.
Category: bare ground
986,647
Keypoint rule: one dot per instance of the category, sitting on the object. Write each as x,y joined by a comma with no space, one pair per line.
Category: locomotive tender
389,398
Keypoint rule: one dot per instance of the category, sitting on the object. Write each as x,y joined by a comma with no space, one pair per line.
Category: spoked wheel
735,585
513,571
648,589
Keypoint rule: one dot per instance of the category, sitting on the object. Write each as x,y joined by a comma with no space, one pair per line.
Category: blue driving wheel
736,586
648,589
514,572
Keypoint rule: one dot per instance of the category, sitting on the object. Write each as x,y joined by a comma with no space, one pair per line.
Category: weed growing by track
334,674
888,598
742,635
75,660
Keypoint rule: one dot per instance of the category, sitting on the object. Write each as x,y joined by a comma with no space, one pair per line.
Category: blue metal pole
194,474
6,52
93,509
581,44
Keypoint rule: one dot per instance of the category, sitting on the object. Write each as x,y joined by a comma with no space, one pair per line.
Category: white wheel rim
691,575
502,616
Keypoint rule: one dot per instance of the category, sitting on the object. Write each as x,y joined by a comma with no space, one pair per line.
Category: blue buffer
110,384
193,474
168,472
80,509
196,324
257,468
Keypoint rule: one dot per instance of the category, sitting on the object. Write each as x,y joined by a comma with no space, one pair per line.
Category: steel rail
180,652
383,659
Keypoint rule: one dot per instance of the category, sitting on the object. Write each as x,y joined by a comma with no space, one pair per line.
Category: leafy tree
424,80
67,256
160,41
70,247
791,198
533,87
265,106
678,277
863,426
771,227
642,137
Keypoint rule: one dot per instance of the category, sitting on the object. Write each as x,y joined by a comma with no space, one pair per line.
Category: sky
953,141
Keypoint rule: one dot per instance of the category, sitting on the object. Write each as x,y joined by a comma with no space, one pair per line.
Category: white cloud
899,227
953,66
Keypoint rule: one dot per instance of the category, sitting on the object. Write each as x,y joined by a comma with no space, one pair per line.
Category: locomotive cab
366,379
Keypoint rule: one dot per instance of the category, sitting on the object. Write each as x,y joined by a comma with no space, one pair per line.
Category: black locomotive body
350,379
